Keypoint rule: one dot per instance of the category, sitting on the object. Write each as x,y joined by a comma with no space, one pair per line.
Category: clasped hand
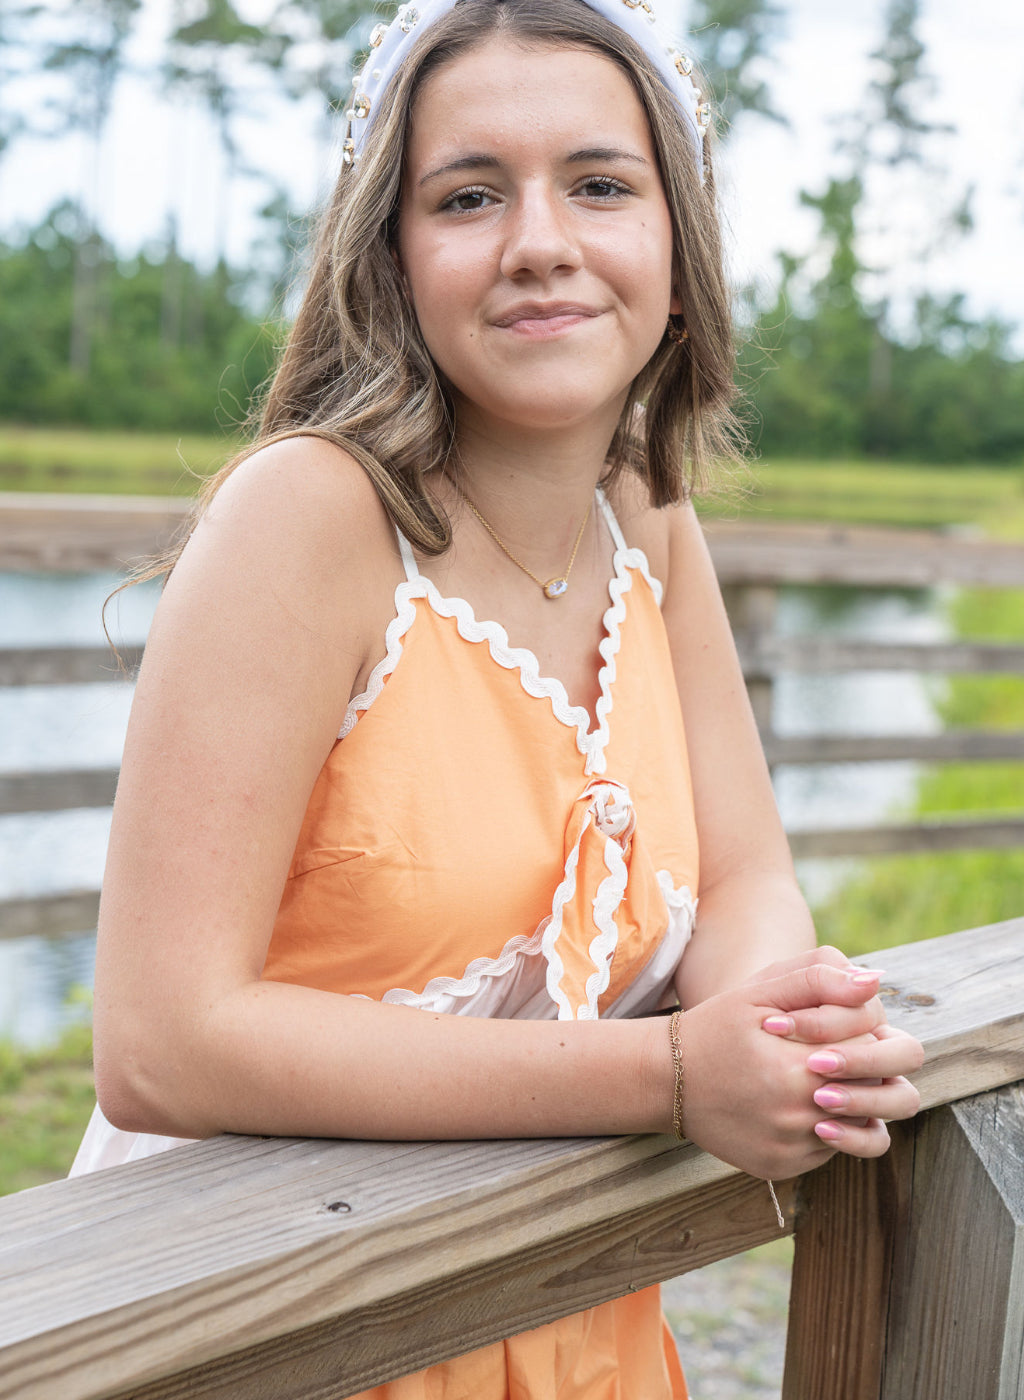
757,1096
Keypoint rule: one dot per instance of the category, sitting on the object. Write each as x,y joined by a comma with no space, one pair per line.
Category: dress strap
613,524
412,573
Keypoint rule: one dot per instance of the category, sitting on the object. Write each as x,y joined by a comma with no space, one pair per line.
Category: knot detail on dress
609,903
615,815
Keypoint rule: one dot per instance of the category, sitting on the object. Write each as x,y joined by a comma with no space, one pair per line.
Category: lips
532,312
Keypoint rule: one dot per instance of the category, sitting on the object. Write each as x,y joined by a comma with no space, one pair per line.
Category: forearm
280,1059
744,923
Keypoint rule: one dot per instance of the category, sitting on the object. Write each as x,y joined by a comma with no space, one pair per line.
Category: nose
540,235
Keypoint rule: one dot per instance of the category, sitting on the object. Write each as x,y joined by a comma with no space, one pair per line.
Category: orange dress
473,845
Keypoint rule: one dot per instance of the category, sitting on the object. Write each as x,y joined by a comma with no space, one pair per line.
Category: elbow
136,1093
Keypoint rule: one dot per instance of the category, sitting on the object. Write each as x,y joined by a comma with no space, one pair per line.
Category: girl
383,867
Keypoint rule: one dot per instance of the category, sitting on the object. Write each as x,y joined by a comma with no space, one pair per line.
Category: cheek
438,280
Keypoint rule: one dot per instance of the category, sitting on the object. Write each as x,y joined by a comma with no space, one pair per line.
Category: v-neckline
592,731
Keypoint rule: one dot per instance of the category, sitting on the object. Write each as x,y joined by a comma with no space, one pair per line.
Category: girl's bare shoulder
294,551
305,491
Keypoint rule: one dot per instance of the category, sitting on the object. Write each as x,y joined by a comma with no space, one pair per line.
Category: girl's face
534,235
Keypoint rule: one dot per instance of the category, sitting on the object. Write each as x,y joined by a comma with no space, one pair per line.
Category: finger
872,1140
889,1100
825,954
885,1054
818,984
818,1024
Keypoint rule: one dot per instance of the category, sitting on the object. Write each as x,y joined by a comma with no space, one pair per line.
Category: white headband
390,45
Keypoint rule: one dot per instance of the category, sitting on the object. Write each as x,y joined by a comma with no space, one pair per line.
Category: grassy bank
108,463
854,492
46,1097
900,495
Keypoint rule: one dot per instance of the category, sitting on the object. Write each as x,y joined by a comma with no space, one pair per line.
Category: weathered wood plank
752,613
456,1315
45,791
848,1221
243,1230
868,558
67,533
956,1305
963,997
955,745
241,1245
66,665
761,656
102,532
765,654
49,915
1002,834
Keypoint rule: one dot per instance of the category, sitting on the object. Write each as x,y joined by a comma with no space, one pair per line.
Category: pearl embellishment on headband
390,44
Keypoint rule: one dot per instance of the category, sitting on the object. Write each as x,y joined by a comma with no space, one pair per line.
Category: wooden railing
753,563
273,1269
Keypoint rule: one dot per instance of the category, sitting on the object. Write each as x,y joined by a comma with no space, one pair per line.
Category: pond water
50,727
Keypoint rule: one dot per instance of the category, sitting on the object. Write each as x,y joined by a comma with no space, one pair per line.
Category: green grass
118,463
869,492
865,492
46,1097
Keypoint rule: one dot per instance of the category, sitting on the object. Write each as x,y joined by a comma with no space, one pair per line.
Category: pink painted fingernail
865,978
825,1062
831,1098
778,1025
828,1132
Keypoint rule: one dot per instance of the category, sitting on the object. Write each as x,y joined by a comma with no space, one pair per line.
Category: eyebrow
584,156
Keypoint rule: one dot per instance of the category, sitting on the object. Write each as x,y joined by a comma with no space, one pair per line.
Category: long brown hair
355,369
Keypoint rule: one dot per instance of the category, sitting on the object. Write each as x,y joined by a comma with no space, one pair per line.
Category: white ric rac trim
590,743
514,984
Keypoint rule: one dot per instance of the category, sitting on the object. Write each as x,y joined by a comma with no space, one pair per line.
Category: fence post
752,609
956,1323
908,1277
849,1222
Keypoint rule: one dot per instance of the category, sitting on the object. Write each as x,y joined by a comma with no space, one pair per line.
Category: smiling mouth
544,320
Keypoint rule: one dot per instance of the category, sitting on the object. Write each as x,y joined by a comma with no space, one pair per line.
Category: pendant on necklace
555,587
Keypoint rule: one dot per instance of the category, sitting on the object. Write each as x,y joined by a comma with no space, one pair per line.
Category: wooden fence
753,563
279,1269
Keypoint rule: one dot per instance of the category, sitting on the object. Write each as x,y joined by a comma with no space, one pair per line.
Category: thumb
820,985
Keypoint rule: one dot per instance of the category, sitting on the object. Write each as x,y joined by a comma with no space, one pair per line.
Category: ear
675,306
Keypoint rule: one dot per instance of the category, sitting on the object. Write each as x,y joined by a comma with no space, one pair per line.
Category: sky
158,154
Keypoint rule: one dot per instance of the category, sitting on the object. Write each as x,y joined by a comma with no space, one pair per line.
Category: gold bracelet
677,1101
677,1065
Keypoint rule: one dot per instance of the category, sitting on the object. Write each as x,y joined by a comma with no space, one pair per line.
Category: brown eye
466,201
602,189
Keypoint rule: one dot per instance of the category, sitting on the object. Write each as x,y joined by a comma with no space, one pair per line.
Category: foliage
46,1097
833,381
827,370
173,347
154,342
731,37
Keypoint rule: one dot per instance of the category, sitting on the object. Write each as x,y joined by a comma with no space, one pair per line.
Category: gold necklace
555,587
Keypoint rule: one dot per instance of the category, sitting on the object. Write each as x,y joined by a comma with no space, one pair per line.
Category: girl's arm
753,926
751,912
270,621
